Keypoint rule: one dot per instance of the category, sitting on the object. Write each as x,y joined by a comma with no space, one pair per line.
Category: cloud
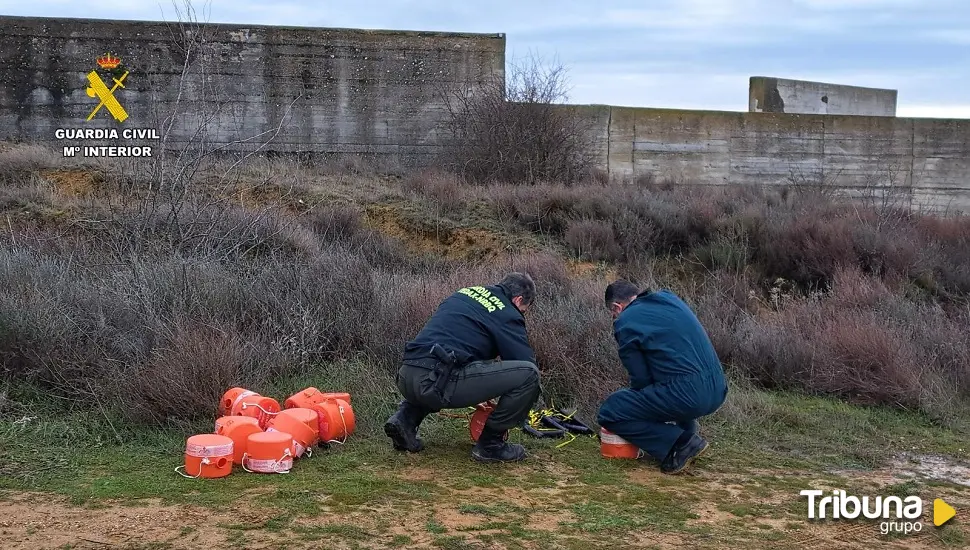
676,53
843,5
949,36
934,111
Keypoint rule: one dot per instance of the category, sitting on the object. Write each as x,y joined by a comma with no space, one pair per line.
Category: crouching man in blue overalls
675,376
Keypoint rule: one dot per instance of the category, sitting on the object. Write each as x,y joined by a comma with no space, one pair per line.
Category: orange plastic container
336,420
614,446
237,428
304,399
306,415
296,425
229,399
252,404
208,456
477,421
337,395
269,453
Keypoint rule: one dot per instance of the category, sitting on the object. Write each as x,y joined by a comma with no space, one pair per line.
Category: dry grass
155,311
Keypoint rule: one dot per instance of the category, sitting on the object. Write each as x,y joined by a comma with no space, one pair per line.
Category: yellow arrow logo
942,512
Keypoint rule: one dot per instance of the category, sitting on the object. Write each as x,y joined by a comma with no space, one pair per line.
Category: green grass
434,527
767,446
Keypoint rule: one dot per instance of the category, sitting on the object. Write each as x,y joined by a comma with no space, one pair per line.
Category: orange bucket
304,399
269,453
296,426
255,405
481,414
337,395
336,420
614,446
208,456
306,415
237,428
229,398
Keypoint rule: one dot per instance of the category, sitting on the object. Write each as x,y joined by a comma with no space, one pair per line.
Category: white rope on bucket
244,405
205,460
240,397
276,464
344,422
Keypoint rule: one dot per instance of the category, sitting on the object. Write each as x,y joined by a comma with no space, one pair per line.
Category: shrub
593,240
511,128
187,374
636,236
885,253
806,249
442,189
678,229
572,336
20,164
155,311
335,223
725,252
548,270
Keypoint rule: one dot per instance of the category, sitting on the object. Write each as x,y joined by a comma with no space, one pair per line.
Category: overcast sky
693,54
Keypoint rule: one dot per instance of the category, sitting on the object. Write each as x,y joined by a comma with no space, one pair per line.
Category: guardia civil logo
104,122
98,89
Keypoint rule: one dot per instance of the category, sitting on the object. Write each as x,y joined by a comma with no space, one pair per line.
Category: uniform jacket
660,339
478,324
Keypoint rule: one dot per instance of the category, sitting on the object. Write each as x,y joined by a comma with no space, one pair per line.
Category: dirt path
729,511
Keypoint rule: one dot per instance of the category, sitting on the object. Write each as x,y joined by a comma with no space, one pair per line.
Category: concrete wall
377,92
778,95
325,90
926,160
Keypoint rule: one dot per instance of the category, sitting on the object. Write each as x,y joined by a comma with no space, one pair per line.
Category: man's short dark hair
620,290
519,284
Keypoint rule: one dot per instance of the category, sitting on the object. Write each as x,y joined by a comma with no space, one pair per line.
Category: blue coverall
675,374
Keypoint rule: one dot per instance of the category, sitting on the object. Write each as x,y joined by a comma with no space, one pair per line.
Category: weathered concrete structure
779,95
927,161
309,89
291,89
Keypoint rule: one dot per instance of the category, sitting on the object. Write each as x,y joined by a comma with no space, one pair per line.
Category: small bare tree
185,187
515,128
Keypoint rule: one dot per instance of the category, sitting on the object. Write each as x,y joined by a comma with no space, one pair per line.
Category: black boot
402,427
682,456
492,447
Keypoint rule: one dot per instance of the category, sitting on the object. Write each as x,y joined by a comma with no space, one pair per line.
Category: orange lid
270,438
337,395
232,420
306,416
208,445
294,427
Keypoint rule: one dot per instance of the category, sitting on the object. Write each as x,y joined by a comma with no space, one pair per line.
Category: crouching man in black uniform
474,348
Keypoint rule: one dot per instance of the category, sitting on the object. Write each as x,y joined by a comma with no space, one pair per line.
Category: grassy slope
767,447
